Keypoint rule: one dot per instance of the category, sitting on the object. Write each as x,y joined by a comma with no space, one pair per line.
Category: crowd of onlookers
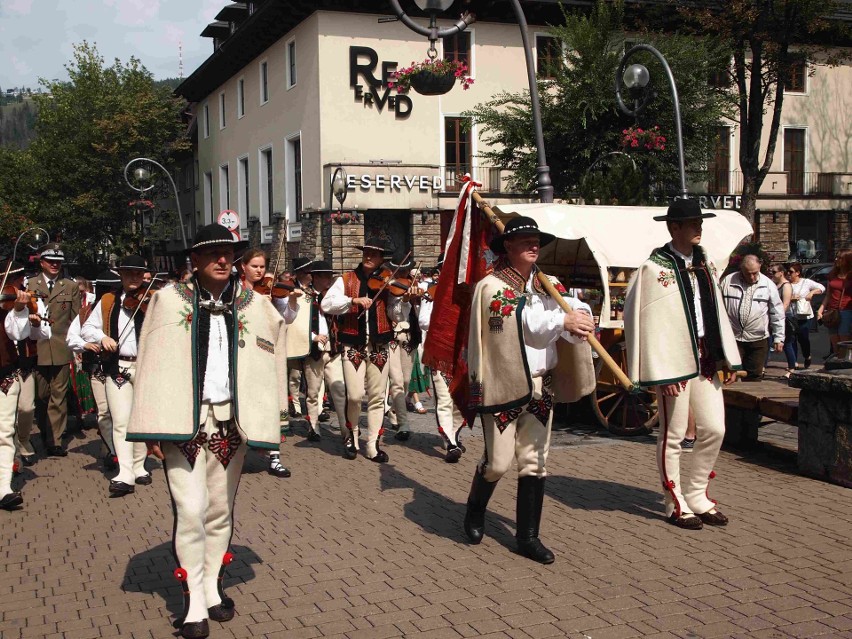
776,312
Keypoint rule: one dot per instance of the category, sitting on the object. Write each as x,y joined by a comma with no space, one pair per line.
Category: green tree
582,125
87,131
767,38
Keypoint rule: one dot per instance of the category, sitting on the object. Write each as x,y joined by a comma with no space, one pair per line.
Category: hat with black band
516,227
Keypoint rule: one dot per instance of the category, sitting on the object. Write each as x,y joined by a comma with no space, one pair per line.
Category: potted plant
636,138
431,77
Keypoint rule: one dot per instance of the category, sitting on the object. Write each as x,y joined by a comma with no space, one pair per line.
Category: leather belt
122,358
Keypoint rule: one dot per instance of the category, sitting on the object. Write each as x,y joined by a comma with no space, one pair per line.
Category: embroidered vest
8,349
352,329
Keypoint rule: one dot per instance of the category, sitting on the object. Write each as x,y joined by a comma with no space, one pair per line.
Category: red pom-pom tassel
227,559
180,574
712,474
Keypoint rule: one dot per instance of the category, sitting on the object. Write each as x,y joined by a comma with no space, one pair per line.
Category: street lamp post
40,236
636,77
433,8
339,191
142,175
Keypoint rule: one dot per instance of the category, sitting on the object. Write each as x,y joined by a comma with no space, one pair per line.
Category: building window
205,120
809,236
291,64
720,77
224,188
719,169
264,82
458,150
266,185
548,56
222,120
797,78
294,178
794,160
241,97
208,197
457,48
243,185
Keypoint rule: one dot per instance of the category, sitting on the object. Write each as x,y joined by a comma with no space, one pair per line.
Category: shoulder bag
831,316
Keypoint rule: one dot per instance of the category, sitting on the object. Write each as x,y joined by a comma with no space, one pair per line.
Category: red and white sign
231,221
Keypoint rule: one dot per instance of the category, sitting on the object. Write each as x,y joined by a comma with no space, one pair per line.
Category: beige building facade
292,93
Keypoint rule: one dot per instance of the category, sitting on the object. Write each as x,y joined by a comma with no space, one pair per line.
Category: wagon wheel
617,409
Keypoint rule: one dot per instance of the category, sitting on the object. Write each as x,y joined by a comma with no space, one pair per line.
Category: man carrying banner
514,320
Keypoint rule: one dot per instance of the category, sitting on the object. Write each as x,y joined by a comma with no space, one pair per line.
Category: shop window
393,226
797,77
794,160
548,56
458,150
719,173
457,48
809,236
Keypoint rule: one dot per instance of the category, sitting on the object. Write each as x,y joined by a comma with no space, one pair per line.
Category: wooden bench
746,403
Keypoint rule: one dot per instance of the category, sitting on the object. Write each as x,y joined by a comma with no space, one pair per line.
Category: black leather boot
529,504
477,503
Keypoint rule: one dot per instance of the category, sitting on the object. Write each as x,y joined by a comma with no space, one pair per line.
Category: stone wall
825,425
841,233
774,233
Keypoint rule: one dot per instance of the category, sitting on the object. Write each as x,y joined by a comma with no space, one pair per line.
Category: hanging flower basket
431,77
638,139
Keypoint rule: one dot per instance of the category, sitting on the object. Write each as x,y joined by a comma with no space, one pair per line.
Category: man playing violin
17,323
52,373
115,324
284,297
298,335
365,328
406,338
204,346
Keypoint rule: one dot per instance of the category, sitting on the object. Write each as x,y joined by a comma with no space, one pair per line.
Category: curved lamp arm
625,109
433,33
15,250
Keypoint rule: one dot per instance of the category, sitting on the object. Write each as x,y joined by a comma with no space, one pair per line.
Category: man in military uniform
53,373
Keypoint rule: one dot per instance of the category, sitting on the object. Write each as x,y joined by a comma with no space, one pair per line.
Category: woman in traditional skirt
419,384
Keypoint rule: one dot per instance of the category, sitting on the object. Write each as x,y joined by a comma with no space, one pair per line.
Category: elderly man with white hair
753,304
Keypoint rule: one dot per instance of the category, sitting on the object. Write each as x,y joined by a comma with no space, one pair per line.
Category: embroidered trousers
401,364
294,383
687,492
203,494
131,455
8,411
26,415
52,387
104,417
448,416
522,435
365,371
328,368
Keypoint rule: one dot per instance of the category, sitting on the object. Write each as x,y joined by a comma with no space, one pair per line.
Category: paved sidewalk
352,549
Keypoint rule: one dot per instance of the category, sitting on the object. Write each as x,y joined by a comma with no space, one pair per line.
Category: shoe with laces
687,445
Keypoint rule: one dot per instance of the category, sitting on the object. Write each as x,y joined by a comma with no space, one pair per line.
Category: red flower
506,310
180,574
495,306
228,558
189,318
671,484
509,294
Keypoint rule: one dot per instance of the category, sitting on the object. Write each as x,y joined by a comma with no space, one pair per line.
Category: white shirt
18,327
802,289
217,376
73,338
699,317
337,302
93,330
543,319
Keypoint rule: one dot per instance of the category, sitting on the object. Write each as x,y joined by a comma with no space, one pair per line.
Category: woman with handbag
801,311
835,312
785,292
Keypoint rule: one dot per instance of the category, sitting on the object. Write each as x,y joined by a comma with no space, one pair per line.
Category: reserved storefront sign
732,202
373,91
397,183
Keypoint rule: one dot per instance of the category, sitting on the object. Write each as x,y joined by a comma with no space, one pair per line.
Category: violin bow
387,281
278,257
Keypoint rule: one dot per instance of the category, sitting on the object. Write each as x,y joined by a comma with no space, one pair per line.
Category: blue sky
36,36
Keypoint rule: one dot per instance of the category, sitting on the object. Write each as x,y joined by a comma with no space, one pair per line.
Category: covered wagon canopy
592,239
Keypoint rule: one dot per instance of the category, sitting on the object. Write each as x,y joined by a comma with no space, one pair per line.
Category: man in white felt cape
524,354
679,339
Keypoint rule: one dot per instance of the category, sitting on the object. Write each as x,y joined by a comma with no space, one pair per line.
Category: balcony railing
777,184
493,179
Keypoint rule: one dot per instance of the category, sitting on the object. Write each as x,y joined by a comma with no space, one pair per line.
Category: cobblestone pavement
353,549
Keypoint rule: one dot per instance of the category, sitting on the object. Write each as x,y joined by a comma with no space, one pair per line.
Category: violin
429,295
268,287
141,297
384,280
9,296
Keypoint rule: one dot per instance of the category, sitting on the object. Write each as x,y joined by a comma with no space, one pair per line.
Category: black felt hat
133,263
321,266
401,262
303,264
108,278
682,209
376,243
520,225
216,234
